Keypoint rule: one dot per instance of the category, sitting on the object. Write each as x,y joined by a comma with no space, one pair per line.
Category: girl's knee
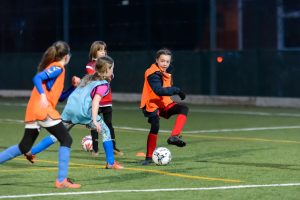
106,134
184,110
66,140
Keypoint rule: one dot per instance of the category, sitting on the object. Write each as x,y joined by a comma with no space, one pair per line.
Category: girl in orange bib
156,102
41,111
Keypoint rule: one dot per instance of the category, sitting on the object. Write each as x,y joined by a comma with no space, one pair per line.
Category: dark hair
163,51
96,46
54,53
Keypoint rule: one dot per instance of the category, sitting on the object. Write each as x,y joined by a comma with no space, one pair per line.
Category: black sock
95,137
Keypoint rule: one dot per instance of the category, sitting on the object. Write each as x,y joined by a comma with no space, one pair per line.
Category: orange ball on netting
219,59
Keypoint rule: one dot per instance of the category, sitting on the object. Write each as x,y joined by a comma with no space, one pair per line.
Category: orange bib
149,99
34,112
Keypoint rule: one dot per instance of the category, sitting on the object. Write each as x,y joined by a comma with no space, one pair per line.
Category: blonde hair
96,46
55,52
103,64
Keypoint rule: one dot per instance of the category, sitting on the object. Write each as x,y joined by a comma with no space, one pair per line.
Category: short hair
163,51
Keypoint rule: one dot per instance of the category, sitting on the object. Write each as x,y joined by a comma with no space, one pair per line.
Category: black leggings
176,109
59,131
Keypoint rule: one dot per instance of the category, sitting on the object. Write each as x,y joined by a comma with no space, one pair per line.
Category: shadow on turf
225,154
265,165
211,157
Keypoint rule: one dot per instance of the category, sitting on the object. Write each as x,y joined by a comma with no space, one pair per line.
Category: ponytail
55,52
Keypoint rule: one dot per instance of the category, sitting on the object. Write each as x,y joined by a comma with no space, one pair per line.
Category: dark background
135,29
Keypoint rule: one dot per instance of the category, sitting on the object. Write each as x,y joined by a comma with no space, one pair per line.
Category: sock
43,144
95,137
114,143
179,123
10,153
63,162
151,144
109,152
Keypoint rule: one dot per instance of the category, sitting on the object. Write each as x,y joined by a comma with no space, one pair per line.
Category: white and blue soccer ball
162,156
87,143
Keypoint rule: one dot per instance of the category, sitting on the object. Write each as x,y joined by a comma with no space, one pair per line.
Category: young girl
41,111
156,102
83,105
81,108
99,49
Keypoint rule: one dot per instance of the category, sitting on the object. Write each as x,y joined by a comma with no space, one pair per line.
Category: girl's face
101,53
67,58
163,61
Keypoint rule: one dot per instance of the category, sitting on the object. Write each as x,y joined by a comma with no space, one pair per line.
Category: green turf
210,160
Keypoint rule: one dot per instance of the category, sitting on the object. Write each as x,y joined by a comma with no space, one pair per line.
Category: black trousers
153,119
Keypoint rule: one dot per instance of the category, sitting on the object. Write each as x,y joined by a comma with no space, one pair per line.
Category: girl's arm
46,75
66,93
156,83
97,94
90,68
95,108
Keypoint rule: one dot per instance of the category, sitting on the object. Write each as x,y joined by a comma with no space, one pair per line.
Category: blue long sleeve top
156,83
49,76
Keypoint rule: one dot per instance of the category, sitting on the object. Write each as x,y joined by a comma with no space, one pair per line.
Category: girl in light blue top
82,108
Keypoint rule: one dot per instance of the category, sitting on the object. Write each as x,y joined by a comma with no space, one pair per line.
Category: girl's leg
182,112
107,143
68,125
63,136
10,153
95,138
24,146
107,118
152,139
43,144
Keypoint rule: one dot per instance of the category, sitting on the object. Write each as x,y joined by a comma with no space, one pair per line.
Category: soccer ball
161,156
87,143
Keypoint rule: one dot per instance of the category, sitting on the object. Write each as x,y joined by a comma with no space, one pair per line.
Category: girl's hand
44,101
75,81
97,125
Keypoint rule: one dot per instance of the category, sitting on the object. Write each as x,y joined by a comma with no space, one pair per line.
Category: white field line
234,112
11,120
189,132
216,130
246,113
150,190
13,104
231,112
